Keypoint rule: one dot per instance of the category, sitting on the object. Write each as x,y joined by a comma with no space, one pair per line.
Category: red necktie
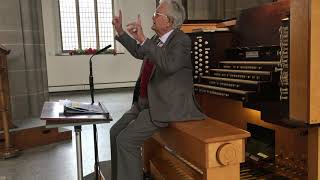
145,76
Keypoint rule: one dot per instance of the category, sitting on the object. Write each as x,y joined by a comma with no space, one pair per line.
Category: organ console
206,50
246,74
261,76
284,61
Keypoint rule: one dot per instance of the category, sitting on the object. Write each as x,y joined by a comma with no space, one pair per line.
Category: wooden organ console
262,76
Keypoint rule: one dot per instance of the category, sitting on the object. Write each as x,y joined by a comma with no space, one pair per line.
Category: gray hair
175,12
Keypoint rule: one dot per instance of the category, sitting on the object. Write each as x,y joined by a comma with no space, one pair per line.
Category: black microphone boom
91,75
102,50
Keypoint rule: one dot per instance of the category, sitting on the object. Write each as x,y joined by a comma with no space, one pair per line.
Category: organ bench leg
223,173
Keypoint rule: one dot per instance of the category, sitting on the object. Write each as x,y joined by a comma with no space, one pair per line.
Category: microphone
102,50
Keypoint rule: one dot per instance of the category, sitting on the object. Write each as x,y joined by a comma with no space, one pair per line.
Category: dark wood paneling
260,25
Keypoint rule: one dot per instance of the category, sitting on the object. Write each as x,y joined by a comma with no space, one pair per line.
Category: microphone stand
91,80
95,134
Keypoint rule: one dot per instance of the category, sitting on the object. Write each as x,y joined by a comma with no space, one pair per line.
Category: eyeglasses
155,14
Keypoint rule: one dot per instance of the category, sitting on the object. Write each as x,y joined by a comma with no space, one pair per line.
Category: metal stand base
104,174
7,153
77,130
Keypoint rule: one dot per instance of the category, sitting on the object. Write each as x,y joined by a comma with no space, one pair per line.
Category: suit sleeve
131,45
171,58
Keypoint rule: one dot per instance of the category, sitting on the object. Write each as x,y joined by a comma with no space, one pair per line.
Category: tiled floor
58,161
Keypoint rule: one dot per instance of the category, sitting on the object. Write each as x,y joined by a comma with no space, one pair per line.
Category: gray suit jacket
170,89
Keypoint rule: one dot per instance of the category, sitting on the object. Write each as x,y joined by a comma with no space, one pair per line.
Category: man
164,91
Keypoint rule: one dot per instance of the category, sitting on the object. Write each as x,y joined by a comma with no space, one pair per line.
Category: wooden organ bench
195,150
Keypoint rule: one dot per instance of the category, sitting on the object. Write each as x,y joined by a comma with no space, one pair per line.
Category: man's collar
164,37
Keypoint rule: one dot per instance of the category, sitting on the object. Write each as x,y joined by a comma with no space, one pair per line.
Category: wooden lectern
5,119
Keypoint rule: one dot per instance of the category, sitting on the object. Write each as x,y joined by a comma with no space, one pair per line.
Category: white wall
71,72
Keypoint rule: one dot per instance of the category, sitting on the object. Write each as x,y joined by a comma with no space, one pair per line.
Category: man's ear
171,21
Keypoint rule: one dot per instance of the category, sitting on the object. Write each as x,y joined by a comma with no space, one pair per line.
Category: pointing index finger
139,20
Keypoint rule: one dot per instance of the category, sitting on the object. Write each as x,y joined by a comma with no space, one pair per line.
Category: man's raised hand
135,29
117,23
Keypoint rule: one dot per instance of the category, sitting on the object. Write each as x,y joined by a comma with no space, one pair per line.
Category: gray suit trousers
126,138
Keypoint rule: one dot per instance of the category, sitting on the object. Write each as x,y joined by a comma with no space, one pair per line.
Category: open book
80,108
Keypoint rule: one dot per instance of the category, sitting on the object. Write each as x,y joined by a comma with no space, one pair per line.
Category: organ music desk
196,150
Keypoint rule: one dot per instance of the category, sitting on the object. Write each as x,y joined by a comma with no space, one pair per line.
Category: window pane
105,22
87,24
68,20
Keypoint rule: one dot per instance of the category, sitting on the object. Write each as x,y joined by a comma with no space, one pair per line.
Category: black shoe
147,176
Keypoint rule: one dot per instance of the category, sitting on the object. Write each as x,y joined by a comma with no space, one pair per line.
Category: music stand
53,114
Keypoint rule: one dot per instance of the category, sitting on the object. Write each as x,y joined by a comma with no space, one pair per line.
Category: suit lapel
171,36
153,70
154,67
154,38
